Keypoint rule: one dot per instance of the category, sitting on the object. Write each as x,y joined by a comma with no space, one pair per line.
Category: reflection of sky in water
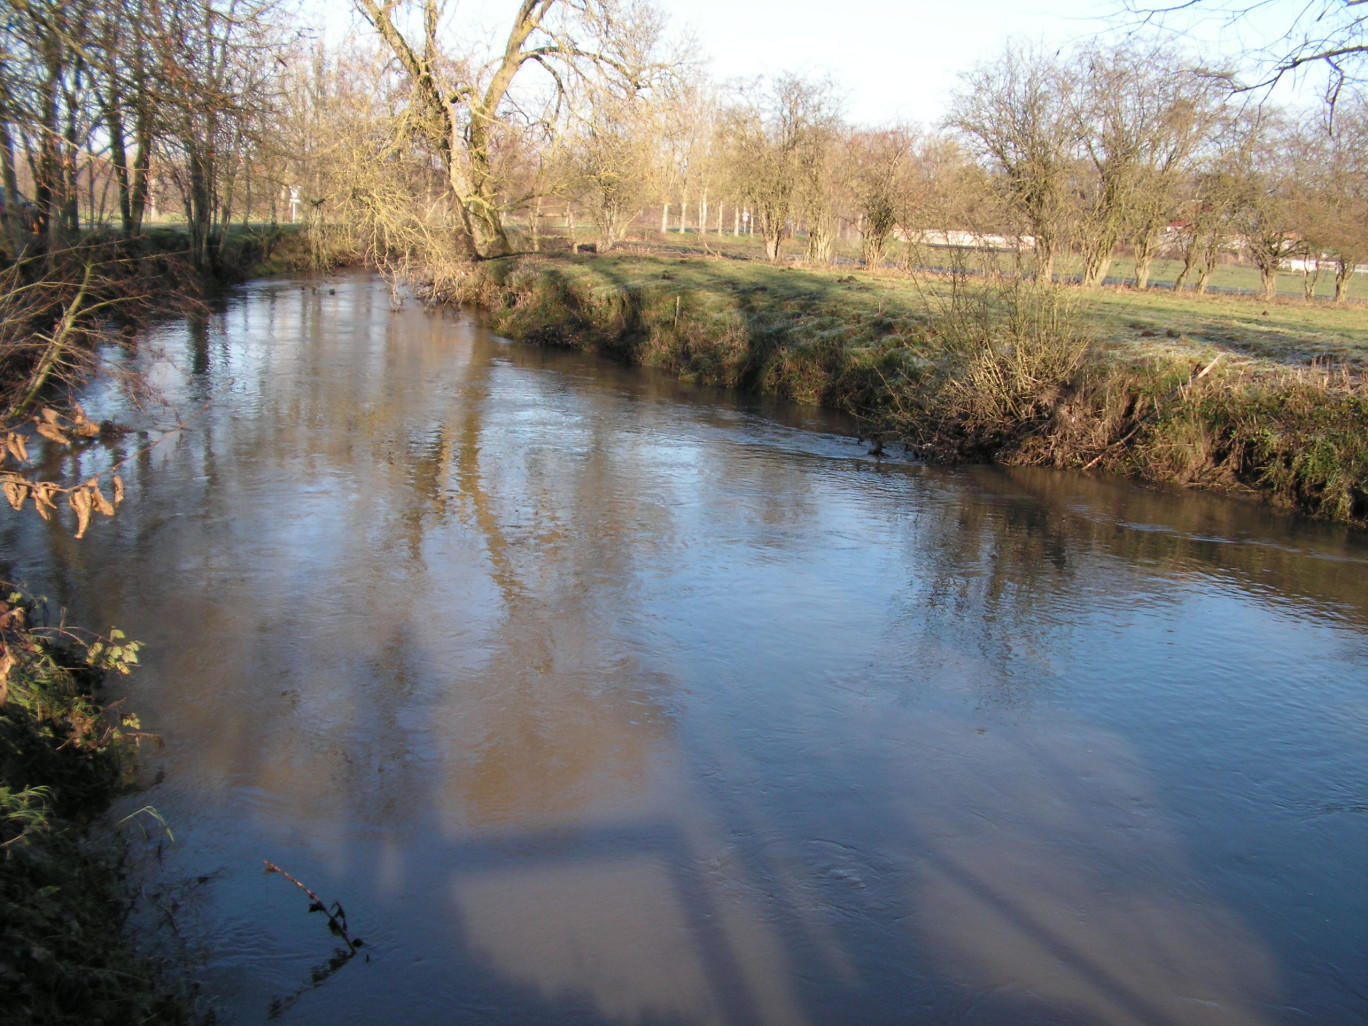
597,704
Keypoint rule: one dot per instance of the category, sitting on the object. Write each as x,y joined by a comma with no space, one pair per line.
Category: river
597,698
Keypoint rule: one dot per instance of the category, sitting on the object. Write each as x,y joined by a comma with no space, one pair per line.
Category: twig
337,921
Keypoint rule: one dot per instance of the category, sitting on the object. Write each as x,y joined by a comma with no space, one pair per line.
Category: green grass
1287,332
1230,275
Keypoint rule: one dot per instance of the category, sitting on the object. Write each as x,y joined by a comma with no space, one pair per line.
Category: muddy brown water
594,698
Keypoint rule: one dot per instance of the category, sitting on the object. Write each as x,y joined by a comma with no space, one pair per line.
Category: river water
594,698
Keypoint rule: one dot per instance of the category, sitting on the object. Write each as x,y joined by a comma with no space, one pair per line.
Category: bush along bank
957,369
63,955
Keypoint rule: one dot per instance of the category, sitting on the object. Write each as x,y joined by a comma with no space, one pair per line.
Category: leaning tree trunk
1344,270
1189,261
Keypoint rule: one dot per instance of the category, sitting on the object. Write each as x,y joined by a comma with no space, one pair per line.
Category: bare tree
1018,115
1330,33
822,171
463,106
1340,192
1266,214
881,163
1142,116
775,136
613,165
1206,214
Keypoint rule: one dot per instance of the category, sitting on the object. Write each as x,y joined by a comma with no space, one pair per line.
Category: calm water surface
595,699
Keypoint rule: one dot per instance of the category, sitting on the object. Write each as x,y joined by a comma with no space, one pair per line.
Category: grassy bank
1234,394
63,957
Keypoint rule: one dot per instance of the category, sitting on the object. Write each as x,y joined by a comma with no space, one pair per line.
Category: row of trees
1083,152
1123,145
98,97
422,149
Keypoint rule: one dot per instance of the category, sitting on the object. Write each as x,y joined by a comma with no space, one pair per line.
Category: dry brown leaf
53,433
16,492
97,497
49,414
43,491
118,491
6,664
15,444
80,501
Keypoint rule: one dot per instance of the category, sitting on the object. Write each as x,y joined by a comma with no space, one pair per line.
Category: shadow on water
594,704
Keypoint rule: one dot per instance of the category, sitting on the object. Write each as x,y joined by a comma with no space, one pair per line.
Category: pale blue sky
891,60
898,60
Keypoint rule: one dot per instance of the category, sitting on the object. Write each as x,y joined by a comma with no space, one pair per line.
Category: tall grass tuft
1009,354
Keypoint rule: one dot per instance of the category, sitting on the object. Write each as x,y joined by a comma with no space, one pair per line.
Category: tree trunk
1310,278
7,166
1097,260
1210,254
821,239
1344,270
141,185
1145,247
46,164
1189,261
118,159
1045,258
1268,275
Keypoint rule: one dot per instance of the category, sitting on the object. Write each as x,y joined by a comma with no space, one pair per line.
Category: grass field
1230,276
1288,331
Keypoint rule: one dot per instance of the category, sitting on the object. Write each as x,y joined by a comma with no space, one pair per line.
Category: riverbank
1229,394
63,953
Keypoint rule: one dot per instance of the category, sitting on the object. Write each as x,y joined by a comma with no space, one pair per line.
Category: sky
892,61
898,61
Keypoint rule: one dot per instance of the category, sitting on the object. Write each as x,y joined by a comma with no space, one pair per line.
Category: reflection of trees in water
999,580
1278,558
562,717
1025,557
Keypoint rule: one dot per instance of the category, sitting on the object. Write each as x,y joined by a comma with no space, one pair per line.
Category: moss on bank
986,369
63,956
